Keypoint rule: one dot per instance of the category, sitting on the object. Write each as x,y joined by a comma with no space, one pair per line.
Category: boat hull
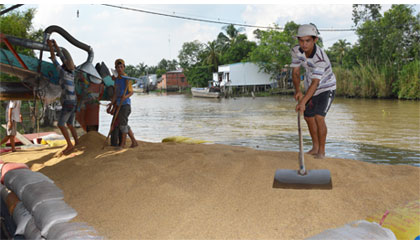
204,93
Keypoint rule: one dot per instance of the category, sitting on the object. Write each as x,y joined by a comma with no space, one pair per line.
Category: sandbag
404,220
52,212
31,231
21,217
11,202
357,230
183,139
35,194
72,231
54,143
6,167
4,193
18,179
52,136
1,189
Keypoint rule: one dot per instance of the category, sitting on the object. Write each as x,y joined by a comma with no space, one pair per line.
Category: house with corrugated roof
244,75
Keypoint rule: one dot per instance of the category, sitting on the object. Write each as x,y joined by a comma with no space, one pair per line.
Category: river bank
184,191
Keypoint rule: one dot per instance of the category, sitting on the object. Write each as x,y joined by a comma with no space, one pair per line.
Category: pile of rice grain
192,191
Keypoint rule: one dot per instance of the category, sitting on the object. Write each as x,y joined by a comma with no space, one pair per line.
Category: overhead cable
216,21
10,9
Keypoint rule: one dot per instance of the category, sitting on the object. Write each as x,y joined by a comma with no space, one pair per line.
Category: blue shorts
67,115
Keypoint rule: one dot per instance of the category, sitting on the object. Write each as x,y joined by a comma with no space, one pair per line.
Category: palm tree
212,52
341,48
231,38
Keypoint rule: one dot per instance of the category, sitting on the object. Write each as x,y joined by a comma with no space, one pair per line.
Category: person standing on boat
13,116
320,85
121,98
68,96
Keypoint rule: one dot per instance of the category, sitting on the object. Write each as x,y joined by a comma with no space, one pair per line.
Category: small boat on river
208,92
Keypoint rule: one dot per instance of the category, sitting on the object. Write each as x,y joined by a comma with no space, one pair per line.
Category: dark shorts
67,115
320,104
123,114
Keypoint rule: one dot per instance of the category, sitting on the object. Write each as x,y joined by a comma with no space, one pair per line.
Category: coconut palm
212,54
340,48
232,36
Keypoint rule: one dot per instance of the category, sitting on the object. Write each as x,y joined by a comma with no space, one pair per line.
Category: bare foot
312,152
13,150
133,145
319,156
68,150
58,154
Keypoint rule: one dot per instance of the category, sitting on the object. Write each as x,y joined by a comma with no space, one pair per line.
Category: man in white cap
320,85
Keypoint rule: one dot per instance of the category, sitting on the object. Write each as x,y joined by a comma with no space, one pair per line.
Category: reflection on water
377,131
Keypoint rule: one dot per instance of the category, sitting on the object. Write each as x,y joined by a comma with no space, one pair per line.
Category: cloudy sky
139,37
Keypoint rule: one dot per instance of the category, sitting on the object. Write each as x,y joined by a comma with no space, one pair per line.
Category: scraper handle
302,169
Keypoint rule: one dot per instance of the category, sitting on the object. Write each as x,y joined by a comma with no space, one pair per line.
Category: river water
376,131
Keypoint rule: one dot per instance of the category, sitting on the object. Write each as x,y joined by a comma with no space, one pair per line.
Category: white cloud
140,37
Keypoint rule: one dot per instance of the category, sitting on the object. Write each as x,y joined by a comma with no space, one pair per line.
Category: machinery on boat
39,79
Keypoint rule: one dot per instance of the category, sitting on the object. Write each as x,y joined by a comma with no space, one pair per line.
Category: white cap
307,30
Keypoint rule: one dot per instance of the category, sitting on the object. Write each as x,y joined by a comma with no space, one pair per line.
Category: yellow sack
54,143
404,221
182,139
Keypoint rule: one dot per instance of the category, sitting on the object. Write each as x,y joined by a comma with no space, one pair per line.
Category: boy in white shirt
13,116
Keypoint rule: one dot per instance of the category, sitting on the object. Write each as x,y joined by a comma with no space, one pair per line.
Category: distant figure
320,85
13,116
120,98
68,96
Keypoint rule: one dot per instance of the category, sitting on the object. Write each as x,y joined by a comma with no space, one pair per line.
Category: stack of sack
37,207
399,223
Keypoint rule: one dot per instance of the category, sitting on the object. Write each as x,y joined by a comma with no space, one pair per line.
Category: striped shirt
317,66
68,92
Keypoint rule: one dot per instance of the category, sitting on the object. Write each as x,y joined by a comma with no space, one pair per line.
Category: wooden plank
20,137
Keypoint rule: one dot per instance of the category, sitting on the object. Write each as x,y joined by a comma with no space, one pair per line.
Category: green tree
132,71
390,42
233,46
172,65
365,12
338,50
409,81
151,69
238,52
381,61
142,68
190,54
212,55
19,24
273,52
232,36
198,75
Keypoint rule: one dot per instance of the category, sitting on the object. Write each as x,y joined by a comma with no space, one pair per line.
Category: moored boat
205,92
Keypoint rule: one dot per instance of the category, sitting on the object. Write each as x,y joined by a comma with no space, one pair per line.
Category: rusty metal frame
4,39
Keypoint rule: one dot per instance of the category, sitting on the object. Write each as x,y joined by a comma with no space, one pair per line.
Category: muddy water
377,131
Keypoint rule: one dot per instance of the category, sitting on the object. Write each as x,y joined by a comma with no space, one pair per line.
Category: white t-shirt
317,66
15,104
